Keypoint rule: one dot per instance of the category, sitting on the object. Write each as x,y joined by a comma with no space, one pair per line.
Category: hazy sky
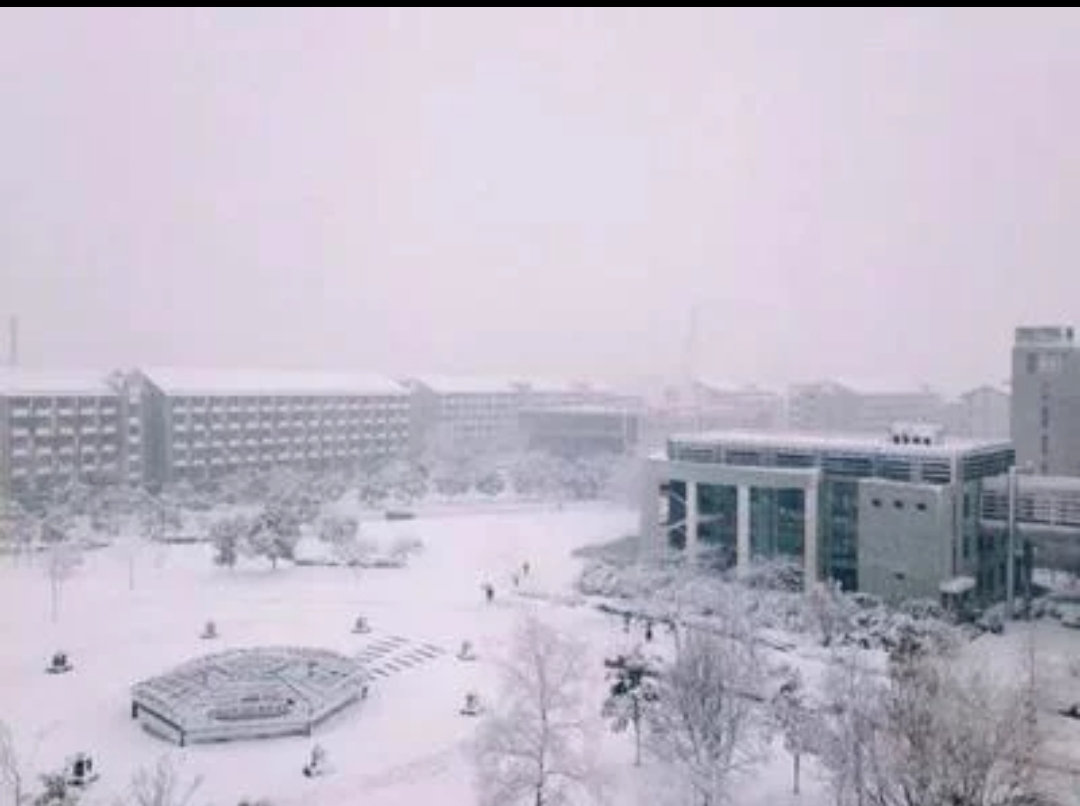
862,193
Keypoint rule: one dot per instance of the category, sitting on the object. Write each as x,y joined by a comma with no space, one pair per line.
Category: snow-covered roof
725,386
986,388
467,384
17,381
562,386
867,386
831,441
211,382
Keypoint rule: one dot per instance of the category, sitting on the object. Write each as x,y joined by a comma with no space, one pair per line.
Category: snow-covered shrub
227,535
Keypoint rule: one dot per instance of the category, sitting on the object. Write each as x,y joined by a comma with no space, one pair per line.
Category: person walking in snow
489,592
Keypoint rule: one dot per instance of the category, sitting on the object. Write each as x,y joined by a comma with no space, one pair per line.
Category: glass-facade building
895,516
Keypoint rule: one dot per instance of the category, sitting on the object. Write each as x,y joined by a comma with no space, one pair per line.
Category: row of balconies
289,408
233,460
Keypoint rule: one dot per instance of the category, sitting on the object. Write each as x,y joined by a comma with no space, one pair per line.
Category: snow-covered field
405,744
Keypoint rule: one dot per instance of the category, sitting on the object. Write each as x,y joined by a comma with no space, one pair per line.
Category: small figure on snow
80,770
466,652
209,630
648,630
59,664
525,568
364,691
361,625
317,763
489,592
515,579
472,706
627,620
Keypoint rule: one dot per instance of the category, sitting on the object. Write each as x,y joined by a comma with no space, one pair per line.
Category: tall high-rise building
1045,416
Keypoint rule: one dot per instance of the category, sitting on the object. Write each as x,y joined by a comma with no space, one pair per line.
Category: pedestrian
626,620
525,568
648,630
489,592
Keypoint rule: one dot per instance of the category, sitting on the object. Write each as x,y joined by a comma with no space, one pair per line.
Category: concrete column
742,529
691,520
649,523
810,535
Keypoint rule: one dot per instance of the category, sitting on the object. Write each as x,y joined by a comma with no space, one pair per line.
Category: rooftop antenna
13,341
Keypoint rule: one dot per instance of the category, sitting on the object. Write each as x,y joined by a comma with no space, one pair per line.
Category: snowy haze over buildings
549,192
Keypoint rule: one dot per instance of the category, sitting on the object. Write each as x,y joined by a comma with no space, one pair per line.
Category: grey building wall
1045,418
905,539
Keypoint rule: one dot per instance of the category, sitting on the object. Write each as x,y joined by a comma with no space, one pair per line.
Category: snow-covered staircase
390,654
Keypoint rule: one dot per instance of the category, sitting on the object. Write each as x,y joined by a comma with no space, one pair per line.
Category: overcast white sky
861,193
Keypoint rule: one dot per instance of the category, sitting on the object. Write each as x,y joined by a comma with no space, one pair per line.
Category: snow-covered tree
706,726
928,732
274,534
633,690
62,560
336,529
796,723
533,750
227,535
12,771
828,612
160,785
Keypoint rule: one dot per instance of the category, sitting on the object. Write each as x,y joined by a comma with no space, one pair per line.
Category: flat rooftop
816,441
240,382
20,382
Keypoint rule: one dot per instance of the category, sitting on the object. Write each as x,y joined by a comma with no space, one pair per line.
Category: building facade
1045,419
981,413
483,415
896,516
201,424
580,430
848,407
58,427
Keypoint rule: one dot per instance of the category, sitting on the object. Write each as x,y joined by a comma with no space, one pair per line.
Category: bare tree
534,750
707,725
12,775
929,733
160,785
62,560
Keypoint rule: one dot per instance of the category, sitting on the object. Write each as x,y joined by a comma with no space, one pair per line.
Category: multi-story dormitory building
205,423
151,427
61,426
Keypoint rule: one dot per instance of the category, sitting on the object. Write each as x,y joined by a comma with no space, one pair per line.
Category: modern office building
860,407
580,430
1045,421
57,427
895,515
200,424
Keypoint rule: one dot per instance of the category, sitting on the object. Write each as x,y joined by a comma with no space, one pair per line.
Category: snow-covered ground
407,742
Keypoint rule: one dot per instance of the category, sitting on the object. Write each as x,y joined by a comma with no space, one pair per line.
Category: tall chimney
13,341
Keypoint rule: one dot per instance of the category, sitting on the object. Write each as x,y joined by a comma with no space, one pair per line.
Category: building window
920,506
898,504
1045,445
1045,419
876,502
1032,363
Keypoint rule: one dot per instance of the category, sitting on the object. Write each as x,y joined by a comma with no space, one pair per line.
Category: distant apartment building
895,515
980,412
710,405
1045,413
581,430
58,427
469,414
201,424
860,407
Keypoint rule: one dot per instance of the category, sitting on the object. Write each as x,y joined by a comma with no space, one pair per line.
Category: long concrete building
896,516
204,423
63,426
